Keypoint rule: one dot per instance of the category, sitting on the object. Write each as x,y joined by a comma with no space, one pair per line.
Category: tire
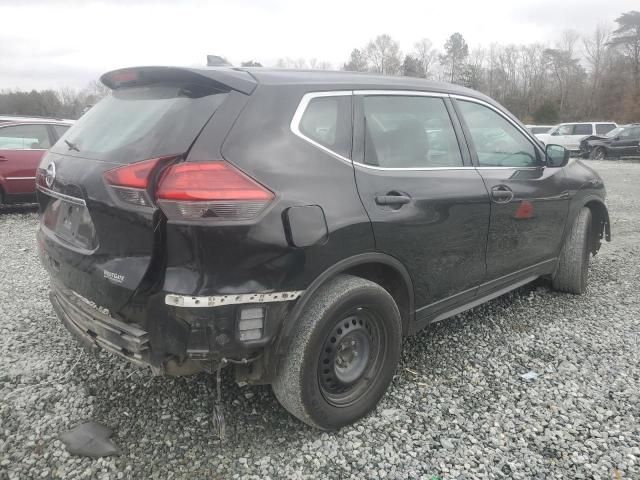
343,354
598,153
572,273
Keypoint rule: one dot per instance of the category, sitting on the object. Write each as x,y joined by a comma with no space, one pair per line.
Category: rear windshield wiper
72,146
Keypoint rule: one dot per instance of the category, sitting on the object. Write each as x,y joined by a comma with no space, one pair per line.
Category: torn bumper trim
220,300
94,328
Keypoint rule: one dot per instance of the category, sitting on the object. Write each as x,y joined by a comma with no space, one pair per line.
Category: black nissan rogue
297,225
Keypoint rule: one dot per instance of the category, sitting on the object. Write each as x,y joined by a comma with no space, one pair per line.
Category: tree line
593,76
582,77
61,103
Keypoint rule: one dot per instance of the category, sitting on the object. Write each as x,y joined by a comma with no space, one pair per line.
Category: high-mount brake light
213,190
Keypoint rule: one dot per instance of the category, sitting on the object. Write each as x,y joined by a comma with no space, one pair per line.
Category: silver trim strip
62,196
297,117
415,169
302,106
219,300
406,93
21,178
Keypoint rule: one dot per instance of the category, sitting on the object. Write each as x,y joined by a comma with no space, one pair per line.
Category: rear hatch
100,239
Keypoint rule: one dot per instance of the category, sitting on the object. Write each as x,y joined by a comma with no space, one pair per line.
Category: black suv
622,141
298,224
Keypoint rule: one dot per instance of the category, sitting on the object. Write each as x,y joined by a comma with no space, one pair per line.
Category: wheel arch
385,270
601,225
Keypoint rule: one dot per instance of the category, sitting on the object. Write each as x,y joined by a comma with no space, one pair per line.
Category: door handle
393,199
501,194
2,158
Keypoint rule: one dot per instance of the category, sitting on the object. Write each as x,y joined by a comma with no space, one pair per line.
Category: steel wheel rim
352,357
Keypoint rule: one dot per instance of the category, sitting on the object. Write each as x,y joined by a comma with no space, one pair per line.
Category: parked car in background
22,145
297,225
569,134
620,142
537,129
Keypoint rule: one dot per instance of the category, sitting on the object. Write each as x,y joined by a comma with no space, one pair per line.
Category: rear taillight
190,190
131,182
212,190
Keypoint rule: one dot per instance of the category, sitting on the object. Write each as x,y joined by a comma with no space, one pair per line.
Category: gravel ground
458,407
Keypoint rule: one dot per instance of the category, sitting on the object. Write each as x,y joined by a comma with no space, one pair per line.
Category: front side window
409,132
327,121
582,129
498,143
24,137
564,130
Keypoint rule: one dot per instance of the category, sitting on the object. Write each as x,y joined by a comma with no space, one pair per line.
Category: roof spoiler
219,78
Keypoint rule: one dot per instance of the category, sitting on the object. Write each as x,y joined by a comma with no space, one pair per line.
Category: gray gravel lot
457,408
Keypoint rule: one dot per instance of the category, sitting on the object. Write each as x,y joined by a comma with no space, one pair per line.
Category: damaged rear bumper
179,335
95,329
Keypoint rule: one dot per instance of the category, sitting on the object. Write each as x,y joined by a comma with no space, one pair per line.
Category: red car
22,145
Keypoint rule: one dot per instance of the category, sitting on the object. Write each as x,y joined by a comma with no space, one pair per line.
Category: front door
21,148
428,206
529,202
626,143
580,130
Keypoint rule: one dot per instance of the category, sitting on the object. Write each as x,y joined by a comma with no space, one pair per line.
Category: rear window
60,129
138,123
602,128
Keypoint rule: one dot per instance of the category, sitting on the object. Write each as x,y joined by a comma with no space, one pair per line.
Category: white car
569,134
536,129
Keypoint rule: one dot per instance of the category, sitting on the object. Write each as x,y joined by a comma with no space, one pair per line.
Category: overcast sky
57,43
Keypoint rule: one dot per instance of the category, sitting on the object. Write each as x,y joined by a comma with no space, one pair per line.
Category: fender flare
345,264
600,213
603,211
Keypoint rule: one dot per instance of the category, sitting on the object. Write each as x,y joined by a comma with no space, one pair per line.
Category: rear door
99,237
428,206
21,148
529,202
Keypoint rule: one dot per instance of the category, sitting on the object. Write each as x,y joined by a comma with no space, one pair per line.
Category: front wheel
573,265
598,153
343,354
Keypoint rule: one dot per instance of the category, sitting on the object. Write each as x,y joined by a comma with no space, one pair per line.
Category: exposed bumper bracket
220,300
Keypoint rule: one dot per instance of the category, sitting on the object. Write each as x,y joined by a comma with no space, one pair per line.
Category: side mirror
557,155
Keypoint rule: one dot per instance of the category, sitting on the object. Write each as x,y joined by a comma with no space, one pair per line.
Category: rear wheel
343,354
598,153
573,266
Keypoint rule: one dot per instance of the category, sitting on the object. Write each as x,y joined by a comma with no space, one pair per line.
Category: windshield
137,123
615,132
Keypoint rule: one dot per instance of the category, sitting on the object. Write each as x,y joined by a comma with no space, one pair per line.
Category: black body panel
448,248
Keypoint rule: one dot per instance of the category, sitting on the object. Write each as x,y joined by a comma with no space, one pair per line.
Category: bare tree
596,51
357,62
383,54
426,55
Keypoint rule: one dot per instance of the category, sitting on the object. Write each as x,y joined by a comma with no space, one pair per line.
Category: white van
569,134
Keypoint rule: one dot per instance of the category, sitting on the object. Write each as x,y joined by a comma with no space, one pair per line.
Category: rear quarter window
327,121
